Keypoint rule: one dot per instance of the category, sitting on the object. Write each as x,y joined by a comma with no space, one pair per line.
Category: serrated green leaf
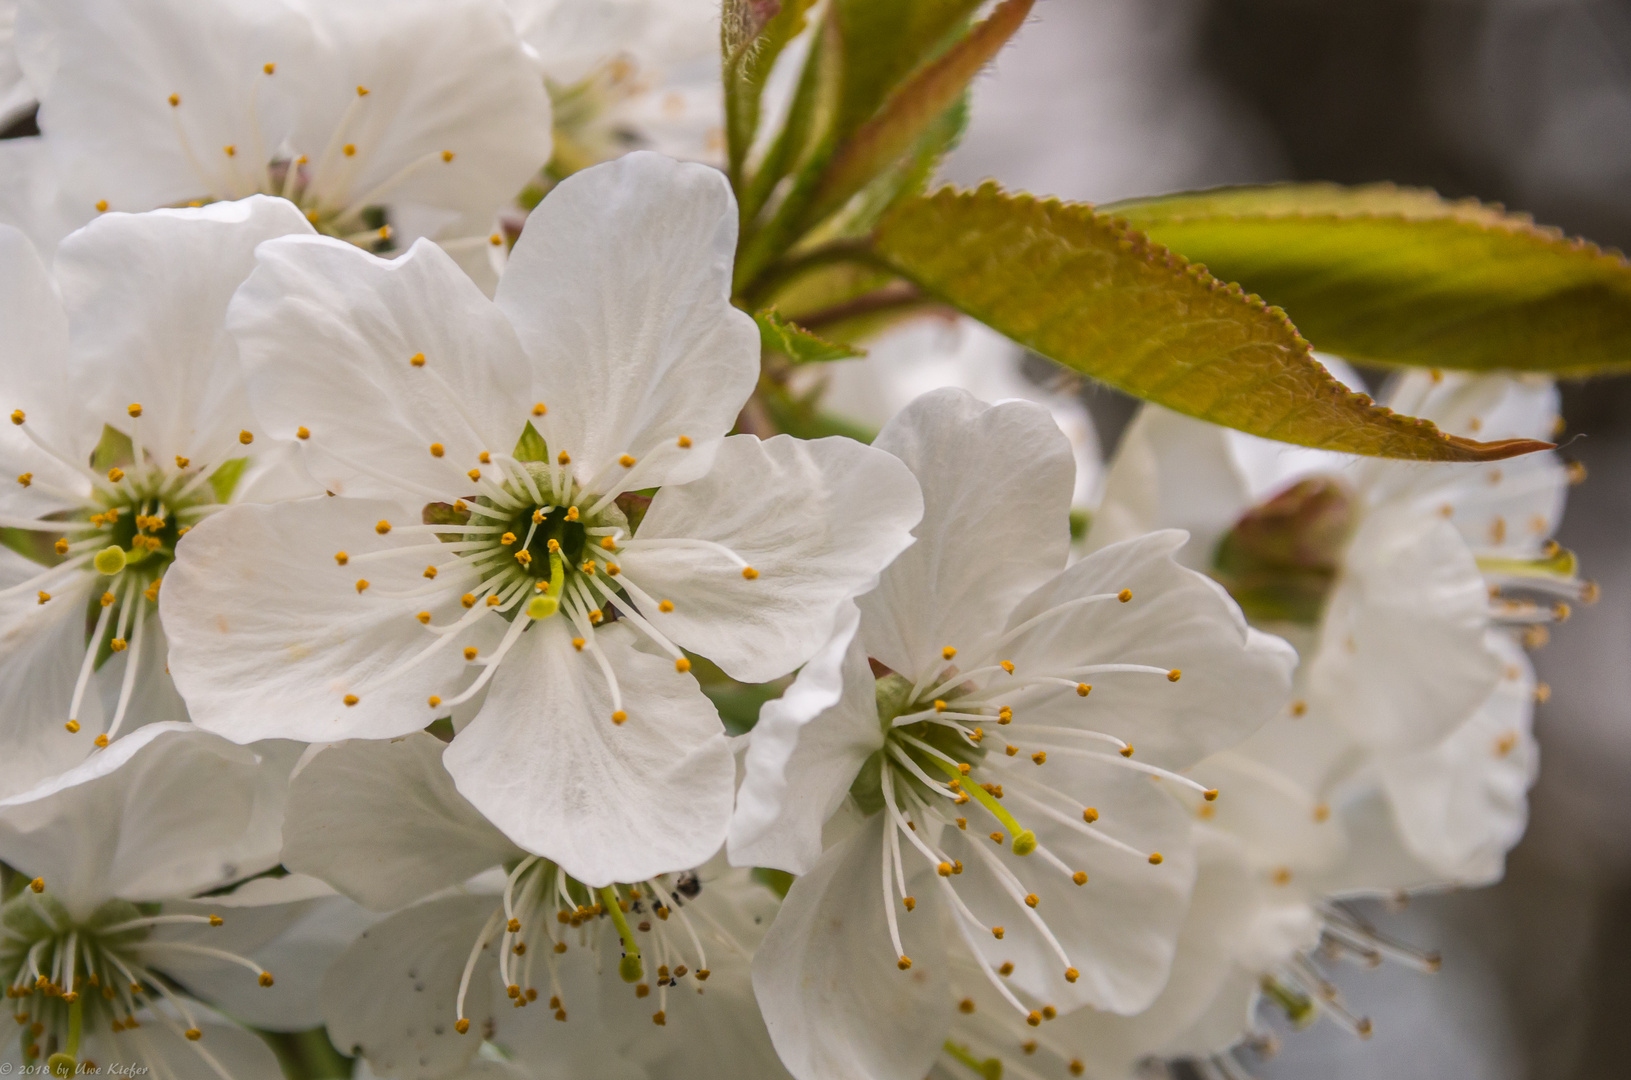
883,42
753,34
798,344
1398,276
913,109
1102,298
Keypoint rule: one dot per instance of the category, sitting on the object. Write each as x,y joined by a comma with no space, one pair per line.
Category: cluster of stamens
528,542
939,725
545,910
122,532
65,976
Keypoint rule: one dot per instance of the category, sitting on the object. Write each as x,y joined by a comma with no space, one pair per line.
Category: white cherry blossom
490,542
382,122
1004,810
98,945
481,930
127,427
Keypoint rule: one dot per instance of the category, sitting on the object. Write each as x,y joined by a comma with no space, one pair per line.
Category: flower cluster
412,627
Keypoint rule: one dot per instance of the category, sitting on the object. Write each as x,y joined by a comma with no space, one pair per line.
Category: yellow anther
940,706
1079,877
417,359
1040,756
44,597
430,572
1005,715
269,68
474,474
485,458
909,902
578,643
1127,751
134,409
193,1034
682,665
470,652
507,539
1049,1012
596,616
749,573
265,978
1090,815
996,837
903,963
1007,968
350,700
246,437
1299,708
514,927
608,543
72,726
101,206
613,569
61,546
349,149
683,442
433,701
619,716
18,416
665,606
437,449
524,557
966,1005
107,599
1035,1020
1083,689
362,583
110,560
462,1026
38,885
497,239
116,474
944,869
627,461
302,433
423,617
341,557
539,409
563,458
1174,675
1322,812
1011,749
1007,665
1155,858
554,546
494,600
1210,794
382,527
230,150
963,767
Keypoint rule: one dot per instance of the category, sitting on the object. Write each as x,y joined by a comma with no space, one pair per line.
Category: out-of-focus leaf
883,42
753,34
1399,276
798,344
913,109
1087,291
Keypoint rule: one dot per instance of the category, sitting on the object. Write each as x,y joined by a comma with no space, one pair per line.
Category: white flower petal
114,133
330,336
996,482
1231,678
161,1049
1462,805
816,522
803,755
836,1004
609,802
1401,659
441,75
620,290
146,296
269,635
42,647
1120,928
391,996
382,822
166,811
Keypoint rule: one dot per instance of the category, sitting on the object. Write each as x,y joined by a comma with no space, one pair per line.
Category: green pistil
630,969
990,1068
1561,565
1024,839
548,602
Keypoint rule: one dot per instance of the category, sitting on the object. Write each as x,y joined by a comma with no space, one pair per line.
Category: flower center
544,909
65,974
121,534
940,768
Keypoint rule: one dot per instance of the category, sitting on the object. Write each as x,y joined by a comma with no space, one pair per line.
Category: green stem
630,968
1024,839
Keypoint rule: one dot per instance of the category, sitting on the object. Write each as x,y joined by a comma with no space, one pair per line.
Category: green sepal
799,345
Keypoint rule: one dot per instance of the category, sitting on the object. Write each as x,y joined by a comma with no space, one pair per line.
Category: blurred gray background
1524,102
